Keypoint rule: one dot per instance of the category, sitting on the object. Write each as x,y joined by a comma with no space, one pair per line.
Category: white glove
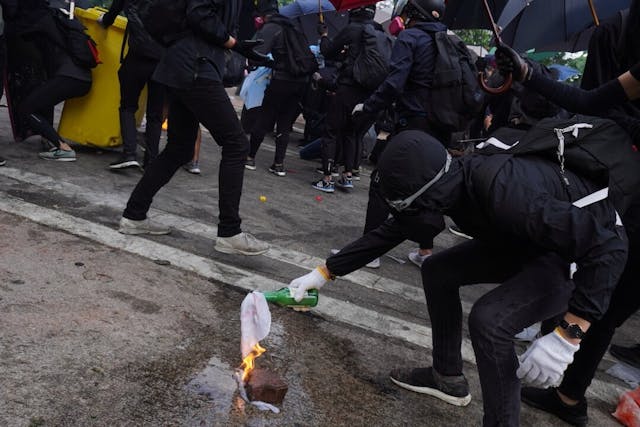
314,280
359,108
545,361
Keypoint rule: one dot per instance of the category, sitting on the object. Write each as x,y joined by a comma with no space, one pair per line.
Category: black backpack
300,60
592,147
82,49
371,66
164,20
455,94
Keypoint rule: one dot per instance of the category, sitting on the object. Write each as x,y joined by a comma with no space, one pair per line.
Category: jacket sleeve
204,19
367,248
116,7
594,102
399,69
575,234
332,48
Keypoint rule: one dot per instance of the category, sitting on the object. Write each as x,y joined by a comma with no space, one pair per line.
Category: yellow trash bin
93,119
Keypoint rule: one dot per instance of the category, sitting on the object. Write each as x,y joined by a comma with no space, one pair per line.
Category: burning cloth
255,321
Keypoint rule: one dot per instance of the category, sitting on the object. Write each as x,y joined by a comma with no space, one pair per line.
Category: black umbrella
467,14
558,25
307,13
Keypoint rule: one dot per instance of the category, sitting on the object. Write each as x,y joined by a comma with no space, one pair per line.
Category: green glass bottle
284,298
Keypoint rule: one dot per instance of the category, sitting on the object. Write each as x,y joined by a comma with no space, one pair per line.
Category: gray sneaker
453,390
145,226
59,155
242,243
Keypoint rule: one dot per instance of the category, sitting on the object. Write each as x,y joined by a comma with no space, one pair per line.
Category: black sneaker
355,174
334,171
549,401
250,164
453,390
628,355
277,170
454,229
125,161
3,161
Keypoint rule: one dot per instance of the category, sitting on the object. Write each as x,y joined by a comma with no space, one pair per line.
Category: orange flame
248,362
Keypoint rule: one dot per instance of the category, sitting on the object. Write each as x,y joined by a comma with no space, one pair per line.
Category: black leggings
37,107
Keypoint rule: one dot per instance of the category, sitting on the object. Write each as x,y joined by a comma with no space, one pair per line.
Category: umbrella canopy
351,4
466,14
306,7
554,24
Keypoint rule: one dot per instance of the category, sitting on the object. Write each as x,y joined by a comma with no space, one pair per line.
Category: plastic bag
255,321
628,411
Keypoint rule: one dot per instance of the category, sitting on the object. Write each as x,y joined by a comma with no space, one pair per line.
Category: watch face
573,330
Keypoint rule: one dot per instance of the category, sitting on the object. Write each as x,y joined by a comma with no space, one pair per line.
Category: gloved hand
246,48
322,29
358,109
314,280
544,362
509,61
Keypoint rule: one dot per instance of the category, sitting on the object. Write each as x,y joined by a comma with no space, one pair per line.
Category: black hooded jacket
139,41
345,47
201,53
274,43
525,206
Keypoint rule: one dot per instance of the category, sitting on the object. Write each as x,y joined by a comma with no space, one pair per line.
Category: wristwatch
573,330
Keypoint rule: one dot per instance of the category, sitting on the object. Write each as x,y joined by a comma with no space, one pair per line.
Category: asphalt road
96,329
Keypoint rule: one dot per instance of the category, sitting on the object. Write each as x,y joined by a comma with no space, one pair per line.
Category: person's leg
289,111
180,141
442,278
210,104
193,166
267,119
541,289
328,145
133,75
45,96
156,95
377,209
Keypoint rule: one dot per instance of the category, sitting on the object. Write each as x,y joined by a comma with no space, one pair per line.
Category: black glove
106,20
246,49
322,29
509,61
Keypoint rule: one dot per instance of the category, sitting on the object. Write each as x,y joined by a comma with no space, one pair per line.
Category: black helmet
425,10
363,12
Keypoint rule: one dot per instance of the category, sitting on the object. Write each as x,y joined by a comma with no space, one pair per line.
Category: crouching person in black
526,233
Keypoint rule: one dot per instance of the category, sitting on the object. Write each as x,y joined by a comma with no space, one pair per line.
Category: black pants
532,287
624,302
134,73
38,105
280,107
204,102
340,127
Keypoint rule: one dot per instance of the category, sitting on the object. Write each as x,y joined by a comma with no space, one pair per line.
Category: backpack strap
574,130
596,197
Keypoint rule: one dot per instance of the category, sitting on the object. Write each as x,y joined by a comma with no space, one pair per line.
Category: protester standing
134,74
7,11
282,98
65,78
191,68
343,48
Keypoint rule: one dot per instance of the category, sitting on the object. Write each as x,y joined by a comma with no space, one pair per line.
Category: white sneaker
241,243
145,226
374,264
415,257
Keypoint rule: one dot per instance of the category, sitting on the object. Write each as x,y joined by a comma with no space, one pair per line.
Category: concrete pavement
91,323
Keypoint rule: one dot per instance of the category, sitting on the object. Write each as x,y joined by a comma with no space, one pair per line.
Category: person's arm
332,48
110,16
204,20
399,70
596,101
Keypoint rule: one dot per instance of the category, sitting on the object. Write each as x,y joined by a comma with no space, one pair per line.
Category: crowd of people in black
530,218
